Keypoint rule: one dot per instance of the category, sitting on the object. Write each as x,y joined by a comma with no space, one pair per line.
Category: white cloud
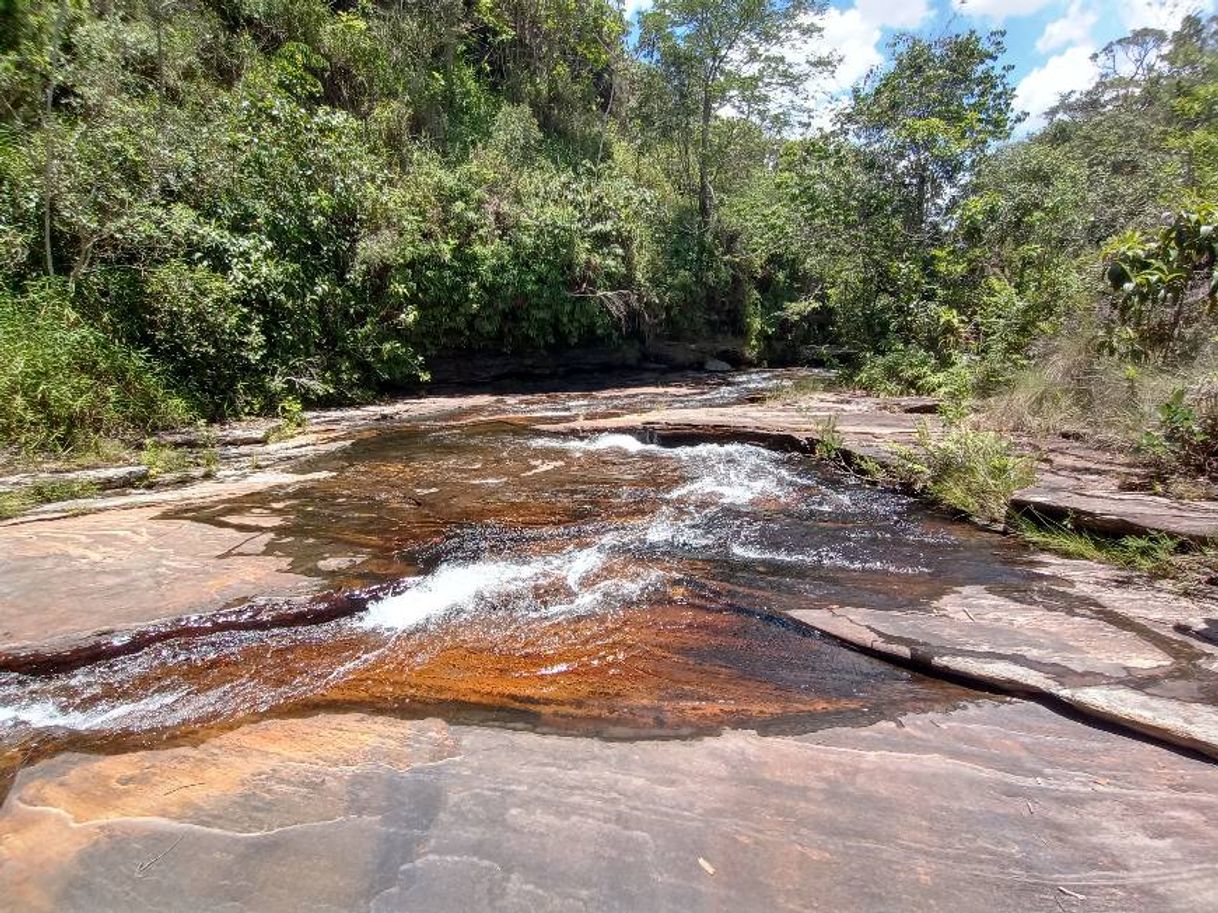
855,40
1001,9
1071,70
856,35
1158,14
891,15
634,6
1073,28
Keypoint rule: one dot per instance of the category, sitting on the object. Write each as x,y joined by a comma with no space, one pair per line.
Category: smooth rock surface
996,807
118,569
1107,643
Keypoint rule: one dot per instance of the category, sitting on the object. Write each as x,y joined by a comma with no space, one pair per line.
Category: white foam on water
736,474
47,714
606,595
823,557
449,587
459,587
583,563
667,529
600,443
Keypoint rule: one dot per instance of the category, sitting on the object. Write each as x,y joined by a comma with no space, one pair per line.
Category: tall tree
932,115
48,115
737,56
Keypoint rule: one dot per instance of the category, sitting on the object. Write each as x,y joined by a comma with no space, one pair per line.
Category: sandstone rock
1002,807
1119,512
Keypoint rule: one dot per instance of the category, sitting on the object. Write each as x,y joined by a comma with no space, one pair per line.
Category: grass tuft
1154,554
973,472
15,503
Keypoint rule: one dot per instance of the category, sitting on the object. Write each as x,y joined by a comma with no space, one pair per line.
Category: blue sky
1050,42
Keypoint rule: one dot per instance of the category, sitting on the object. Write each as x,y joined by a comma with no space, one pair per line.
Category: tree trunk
704,190
48,162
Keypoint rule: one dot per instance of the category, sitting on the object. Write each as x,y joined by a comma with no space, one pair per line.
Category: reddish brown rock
119,569
1000,807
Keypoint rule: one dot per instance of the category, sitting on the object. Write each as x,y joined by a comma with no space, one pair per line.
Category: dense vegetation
212,208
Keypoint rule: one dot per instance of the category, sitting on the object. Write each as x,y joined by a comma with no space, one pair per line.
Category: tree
932,115
726,56
48,168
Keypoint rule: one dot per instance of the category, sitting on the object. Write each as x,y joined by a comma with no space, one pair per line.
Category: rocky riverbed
588,649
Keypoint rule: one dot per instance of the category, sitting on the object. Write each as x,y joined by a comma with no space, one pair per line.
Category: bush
974,472
1187,435
1166,284
64,383
912,370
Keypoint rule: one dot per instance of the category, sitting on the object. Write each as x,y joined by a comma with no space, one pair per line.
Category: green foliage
63,383
932,115
164,459
292,421
911,370
212,210
1186,438
275,200
1163,282
829,440
974,472
14,503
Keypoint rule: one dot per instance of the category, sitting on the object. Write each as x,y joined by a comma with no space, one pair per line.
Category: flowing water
481,568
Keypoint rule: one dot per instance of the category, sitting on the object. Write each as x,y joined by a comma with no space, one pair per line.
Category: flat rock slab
1110,644
102,479
1119,513
117,569
999,806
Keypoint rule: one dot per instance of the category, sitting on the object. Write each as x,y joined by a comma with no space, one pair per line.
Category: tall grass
1073,388
64,384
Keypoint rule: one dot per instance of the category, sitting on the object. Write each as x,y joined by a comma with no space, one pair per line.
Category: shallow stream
481,568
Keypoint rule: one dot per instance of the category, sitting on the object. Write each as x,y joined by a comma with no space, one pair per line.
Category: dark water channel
493,572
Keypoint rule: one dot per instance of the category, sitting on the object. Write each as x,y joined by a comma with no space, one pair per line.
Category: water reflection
604,586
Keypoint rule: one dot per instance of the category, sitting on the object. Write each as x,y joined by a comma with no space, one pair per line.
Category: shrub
1164,283
1187,434
64,383
913,370
974,472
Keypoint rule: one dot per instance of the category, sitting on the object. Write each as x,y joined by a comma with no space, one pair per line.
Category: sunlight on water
593,583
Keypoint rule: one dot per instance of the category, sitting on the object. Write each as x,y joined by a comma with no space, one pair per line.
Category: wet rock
1108,645
999,808
1074,482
